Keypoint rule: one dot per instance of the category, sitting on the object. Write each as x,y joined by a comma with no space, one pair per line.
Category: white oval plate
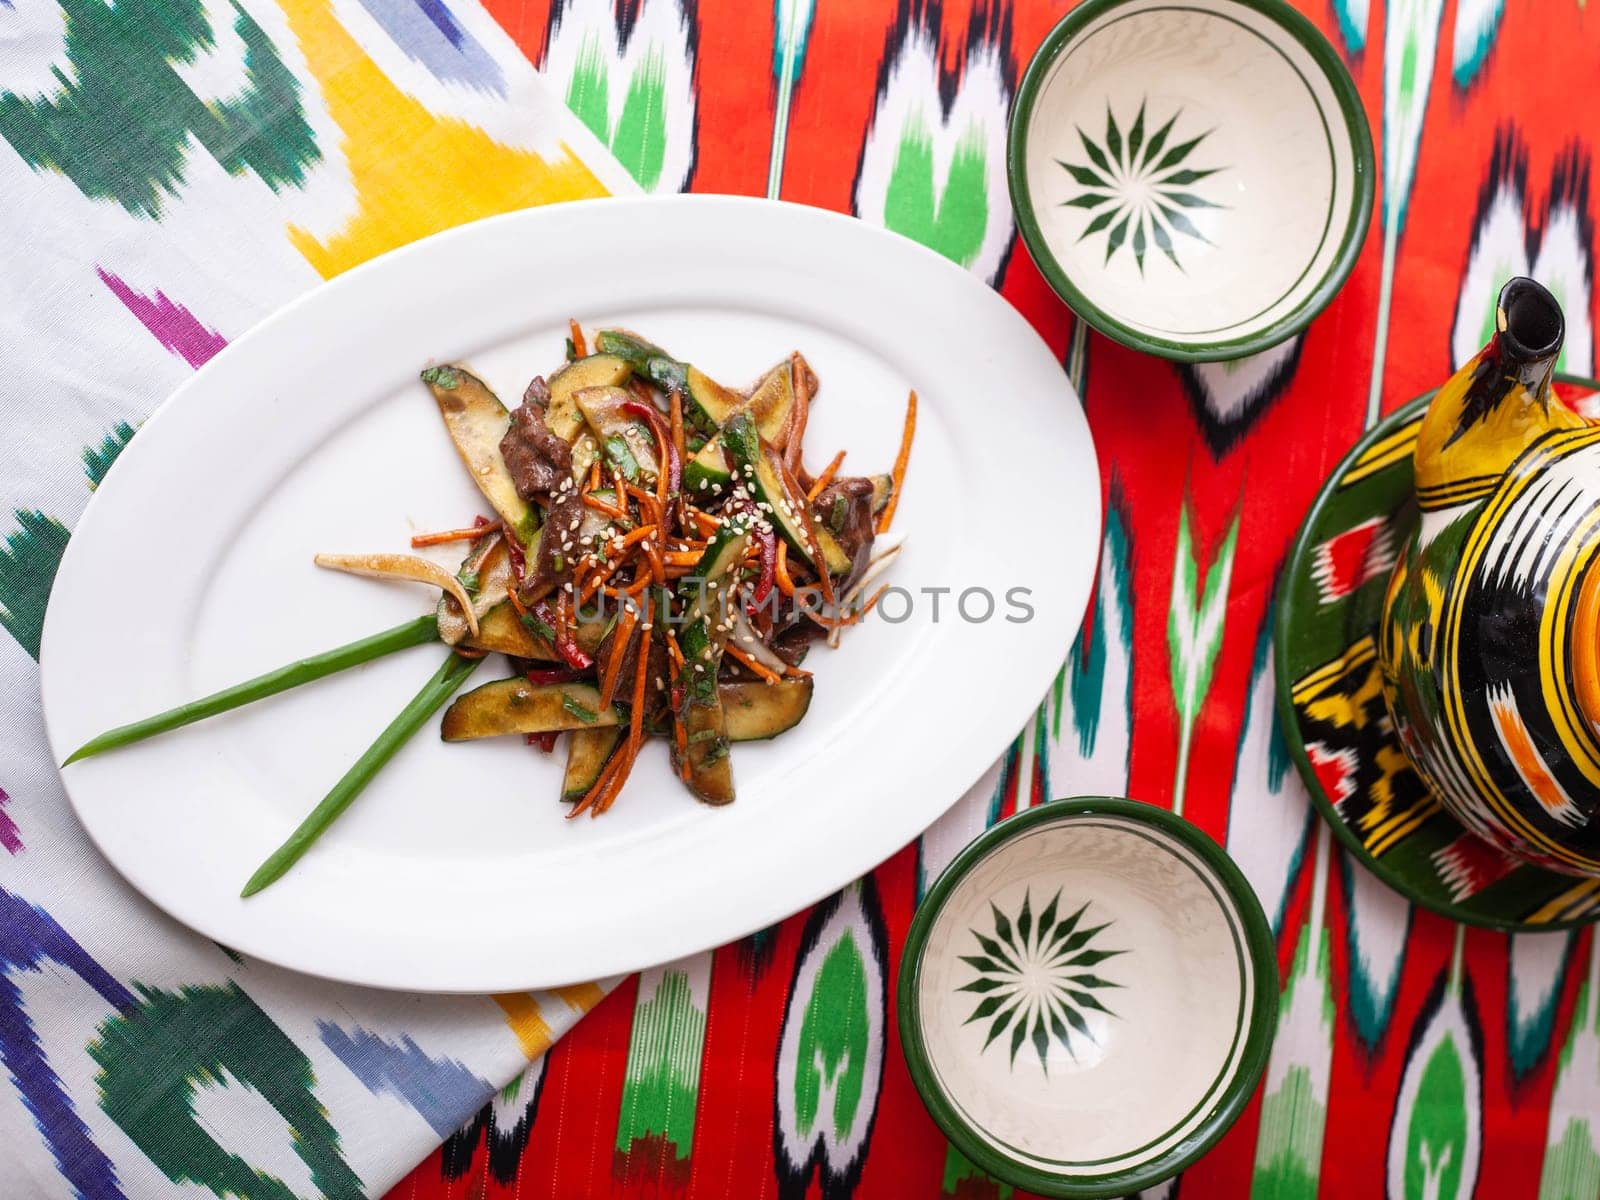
456,870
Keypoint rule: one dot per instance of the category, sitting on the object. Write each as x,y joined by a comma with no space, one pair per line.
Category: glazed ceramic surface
1332,711
1092,991
1492,618
1195,178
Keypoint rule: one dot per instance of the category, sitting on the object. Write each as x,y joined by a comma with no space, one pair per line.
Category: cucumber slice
477,421
723,552
708,468
744,447
648,359
772,400
517,706
598,370
754,712
710,774
882,490
502,631
626,441
588,751
488,567
770,403
706,403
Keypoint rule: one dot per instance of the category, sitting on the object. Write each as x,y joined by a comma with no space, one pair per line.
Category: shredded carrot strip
704,523
870,604
579,346
785,584
516,601
673,652
597,579
638,535
898,475
675,405
594,475
619,648
470,534
811,535
681,558
613,764
826,477
601,506
764,672
635,730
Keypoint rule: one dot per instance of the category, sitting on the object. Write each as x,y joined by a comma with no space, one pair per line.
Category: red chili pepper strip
519,562
668,448
545,741
768,541
543,675
566,646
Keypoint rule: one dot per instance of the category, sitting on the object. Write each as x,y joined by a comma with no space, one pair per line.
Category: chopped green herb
703,735
717,753
469,580
558,562
447,378
837,514
620,456
539,627
572,351
587,715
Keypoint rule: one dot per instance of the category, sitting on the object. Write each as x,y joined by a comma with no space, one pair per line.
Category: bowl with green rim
1087,997
1193,177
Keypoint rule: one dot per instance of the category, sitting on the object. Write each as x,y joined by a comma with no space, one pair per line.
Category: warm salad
658,563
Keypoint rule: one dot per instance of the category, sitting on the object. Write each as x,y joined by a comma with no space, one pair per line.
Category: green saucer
1333,715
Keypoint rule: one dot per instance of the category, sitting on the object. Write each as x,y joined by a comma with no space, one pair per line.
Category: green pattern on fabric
1571,1166
1286,1116
1195,622
662,1080
1085,668
97,460
833,1040
155,1059
1436,1136
28,564
121,88
950,219
589,92
1571,1169
1294,1115
639,139
963,1178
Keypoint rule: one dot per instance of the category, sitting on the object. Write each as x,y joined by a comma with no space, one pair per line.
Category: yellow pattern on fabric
415,172
527,1022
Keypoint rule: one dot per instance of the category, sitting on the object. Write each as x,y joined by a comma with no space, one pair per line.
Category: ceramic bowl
1087,997
1194,179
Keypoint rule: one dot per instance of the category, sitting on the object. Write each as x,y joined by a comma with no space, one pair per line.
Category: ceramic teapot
1490,638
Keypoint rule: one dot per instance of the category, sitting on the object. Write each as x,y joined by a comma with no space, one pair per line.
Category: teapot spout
1494,407
1529,332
